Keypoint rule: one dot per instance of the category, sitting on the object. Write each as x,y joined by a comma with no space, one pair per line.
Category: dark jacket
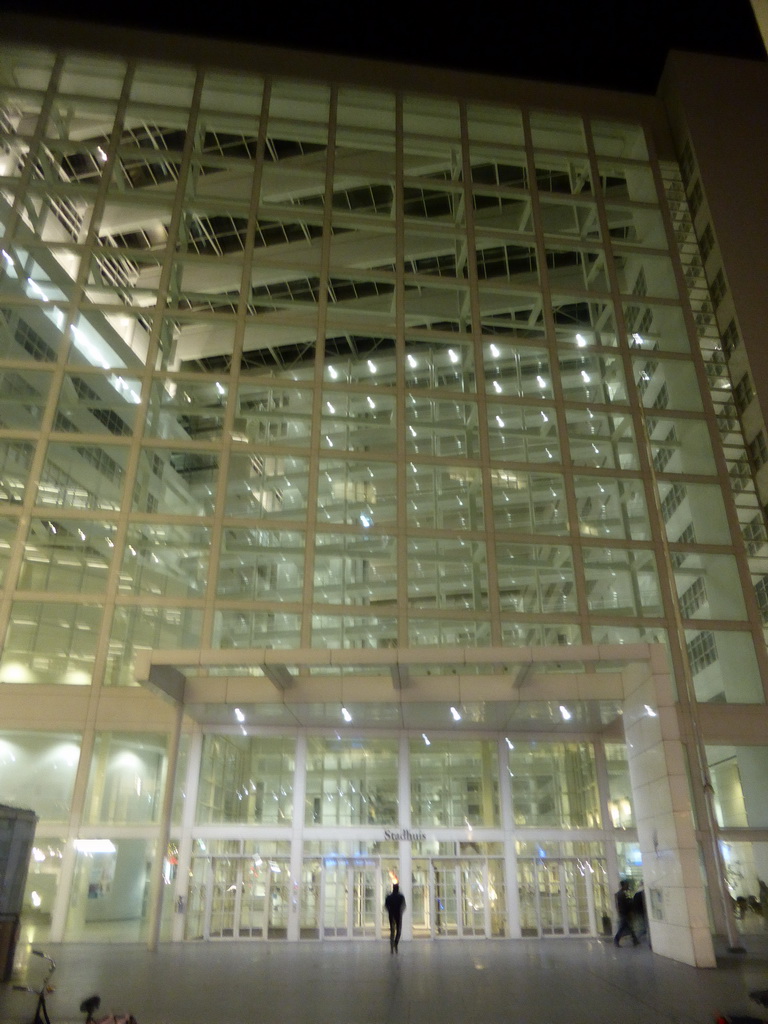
623,903
394,904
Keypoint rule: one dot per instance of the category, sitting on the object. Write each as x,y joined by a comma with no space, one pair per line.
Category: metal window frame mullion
573,537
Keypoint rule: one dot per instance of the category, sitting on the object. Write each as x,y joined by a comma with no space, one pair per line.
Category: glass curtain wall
299,356
285,364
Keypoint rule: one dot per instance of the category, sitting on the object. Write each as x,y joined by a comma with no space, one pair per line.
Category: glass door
557,897
310,902
552,898
421,900
351,898
446,889
528,887
579,902
467,898
276,873
223,897
473,880
366,905
238,897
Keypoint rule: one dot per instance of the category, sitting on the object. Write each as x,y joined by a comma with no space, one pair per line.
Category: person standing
624,910
394,905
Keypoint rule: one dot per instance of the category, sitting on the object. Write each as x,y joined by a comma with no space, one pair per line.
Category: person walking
394,905
640,913
624,910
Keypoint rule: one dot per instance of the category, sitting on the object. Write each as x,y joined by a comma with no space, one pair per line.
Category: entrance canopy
624,690
525,689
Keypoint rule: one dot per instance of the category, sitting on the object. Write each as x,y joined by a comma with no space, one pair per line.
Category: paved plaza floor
554,981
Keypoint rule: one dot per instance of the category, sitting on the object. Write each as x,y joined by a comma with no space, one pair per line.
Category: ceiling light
456,715
95,846
565,713
346,715
239,715
426,739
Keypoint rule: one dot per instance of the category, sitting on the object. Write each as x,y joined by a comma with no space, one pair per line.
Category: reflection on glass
724,666
620,804
554,784
51,642
259,564
37,771
125,784
355,568
622,582
447,574
67,555
612,508
247,779
351,782
454,783
738,777
535,578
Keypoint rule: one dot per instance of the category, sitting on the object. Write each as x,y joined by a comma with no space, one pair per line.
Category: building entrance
566,896
343,897
458,897
238,897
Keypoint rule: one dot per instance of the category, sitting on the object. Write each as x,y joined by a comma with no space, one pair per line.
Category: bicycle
41,1009
88,1006
92,1003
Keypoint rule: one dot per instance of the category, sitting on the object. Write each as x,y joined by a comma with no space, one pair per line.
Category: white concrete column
511,886
181,887
406,851
297,839
674,884
164,834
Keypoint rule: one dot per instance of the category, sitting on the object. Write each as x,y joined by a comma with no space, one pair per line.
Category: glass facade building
379,468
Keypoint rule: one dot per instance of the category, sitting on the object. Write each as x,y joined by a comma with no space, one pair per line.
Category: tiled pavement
554,981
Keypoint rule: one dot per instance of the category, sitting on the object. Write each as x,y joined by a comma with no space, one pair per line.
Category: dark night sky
611,43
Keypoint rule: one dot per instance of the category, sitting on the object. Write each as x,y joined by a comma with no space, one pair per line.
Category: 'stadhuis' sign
404,835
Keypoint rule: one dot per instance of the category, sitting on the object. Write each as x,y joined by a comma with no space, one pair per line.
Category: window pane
724,666
351,782
535,578
554,784
738,776
620,804
67,555
126,778
246,779
37,771
454,783
259,564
